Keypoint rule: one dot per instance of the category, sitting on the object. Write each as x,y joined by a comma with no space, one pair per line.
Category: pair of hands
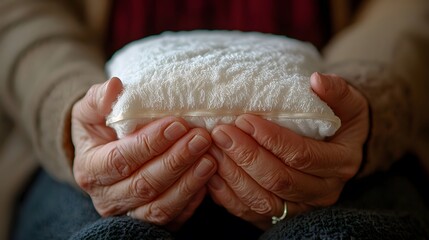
161,173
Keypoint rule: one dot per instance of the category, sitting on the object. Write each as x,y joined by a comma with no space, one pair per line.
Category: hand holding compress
157,174
262,165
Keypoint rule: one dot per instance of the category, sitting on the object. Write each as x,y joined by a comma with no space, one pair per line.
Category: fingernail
216,182
174,131
222,139
244,125
198,144
326,83
203,168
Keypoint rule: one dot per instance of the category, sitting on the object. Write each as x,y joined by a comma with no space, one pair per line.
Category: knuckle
274,182
107,204
186,189
278,183
84,180
273,140
261,206
159,215
150,148
175,163
241,211
117,162
235,179
246,157
299,156
143,190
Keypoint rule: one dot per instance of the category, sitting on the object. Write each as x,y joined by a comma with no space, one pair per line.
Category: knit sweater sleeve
384,54
46,63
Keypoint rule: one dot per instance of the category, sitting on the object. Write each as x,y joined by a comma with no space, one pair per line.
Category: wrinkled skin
261,165
157,174
161,173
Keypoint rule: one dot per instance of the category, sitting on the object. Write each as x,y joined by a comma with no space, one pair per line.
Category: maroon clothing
134,19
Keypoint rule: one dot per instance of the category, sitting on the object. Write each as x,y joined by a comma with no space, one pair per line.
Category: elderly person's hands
261,165
158,174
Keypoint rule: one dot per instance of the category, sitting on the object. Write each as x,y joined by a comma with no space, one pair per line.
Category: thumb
345,101
97,103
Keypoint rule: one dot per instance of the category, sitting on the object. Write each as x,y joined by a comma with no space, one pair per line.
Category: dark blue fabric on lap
392,205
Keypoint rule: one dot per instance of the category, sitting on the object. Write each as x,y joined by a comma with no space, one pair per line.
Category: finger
266,169
188,211
88,115
257,198
160,173
318,158
344,100
172,202
223,195
97,103
347,103
117,160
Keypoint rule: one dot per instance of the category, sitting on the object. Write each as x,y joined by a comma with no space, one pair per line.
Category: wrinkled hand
261,165
158,174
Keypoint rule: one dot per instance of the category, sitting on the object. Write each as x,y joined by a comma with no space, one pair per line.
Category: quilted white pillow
211,77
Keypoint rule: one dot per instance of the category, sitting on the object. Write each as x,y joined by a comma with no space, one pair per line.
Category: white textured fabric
211,77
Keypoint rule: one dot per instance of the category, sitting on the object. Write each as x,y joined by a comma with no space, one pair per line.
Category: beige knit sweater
50,54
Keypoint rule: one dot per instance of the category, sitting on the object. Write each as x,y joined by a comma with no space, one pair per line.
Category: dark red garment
134,19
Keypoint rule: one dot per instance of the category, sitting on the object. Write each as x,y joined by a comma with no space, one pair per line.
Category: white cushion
211,77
